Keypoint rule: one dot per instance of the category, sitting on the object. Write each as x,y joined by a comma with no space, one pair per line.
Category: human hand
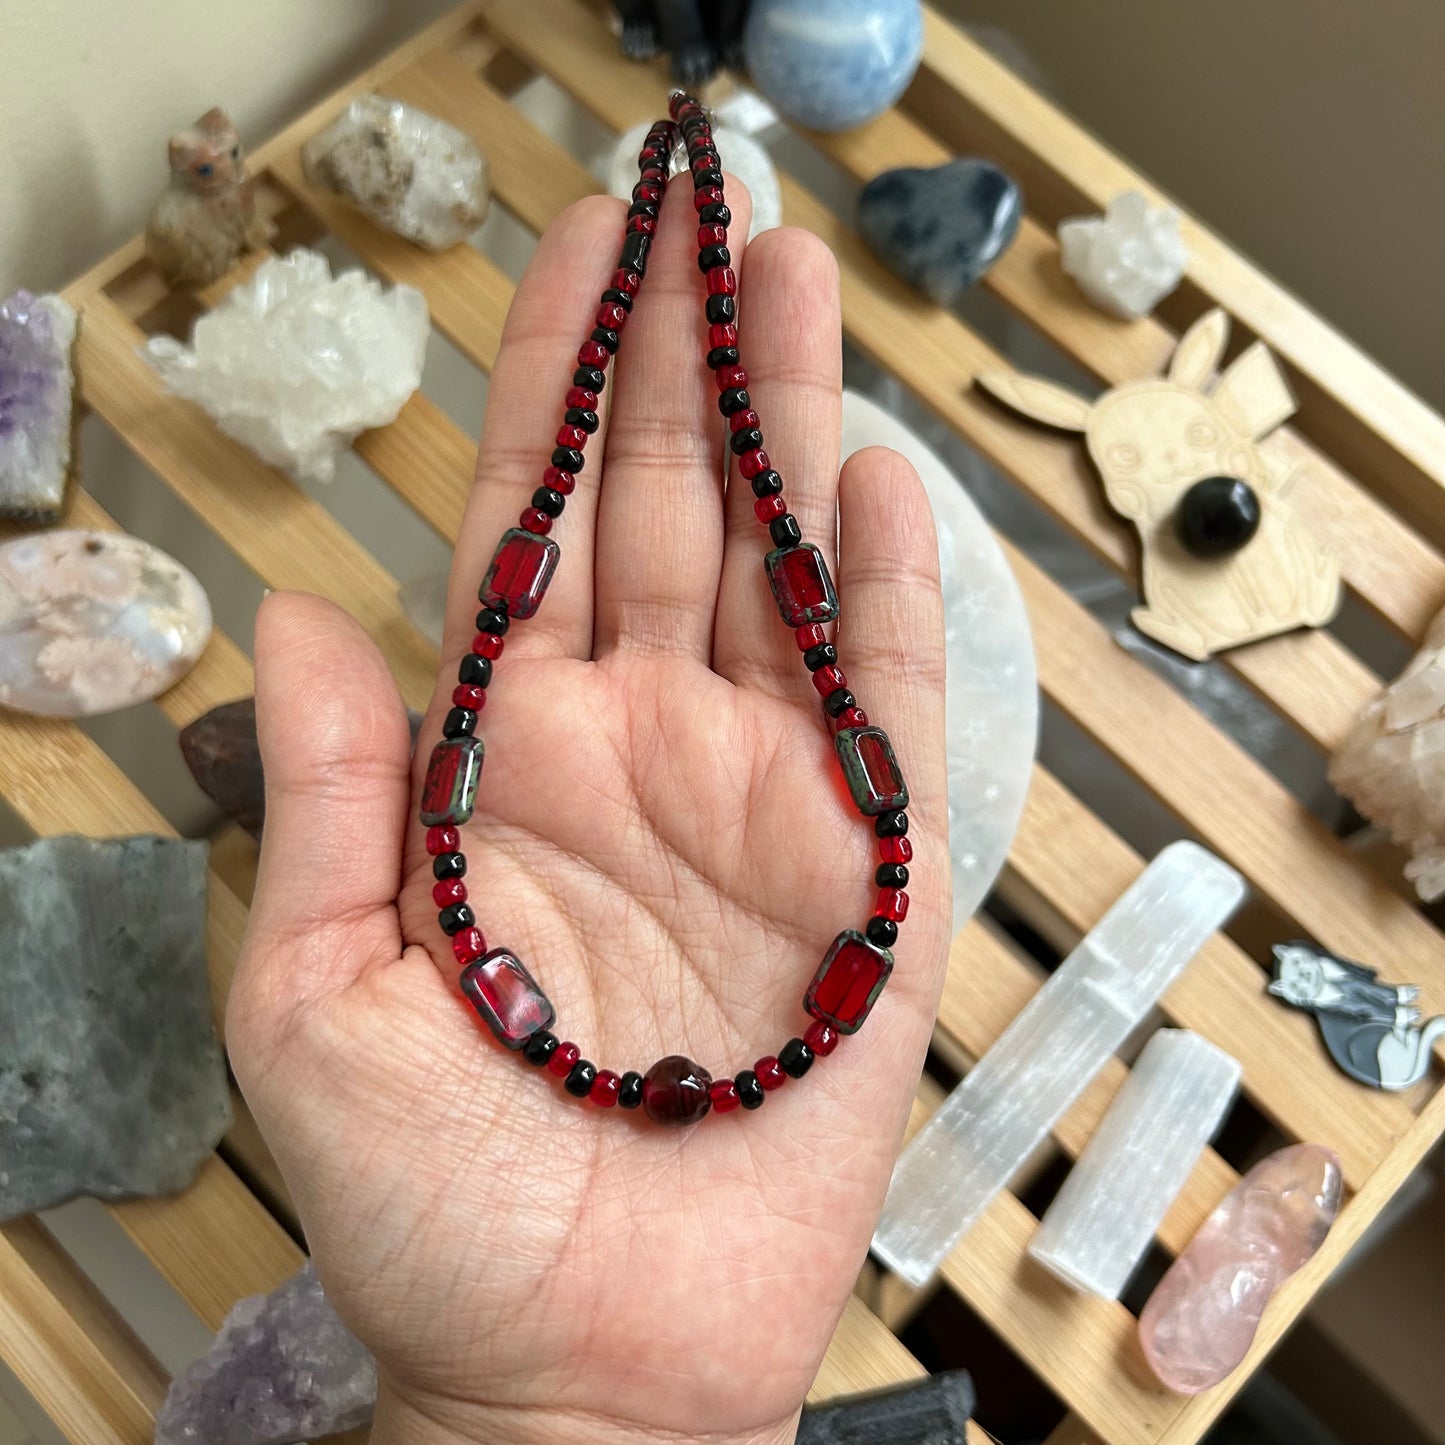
662,836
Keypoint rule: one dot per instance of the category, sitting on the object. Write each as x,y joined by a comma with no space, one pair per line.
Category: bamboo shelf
224,1238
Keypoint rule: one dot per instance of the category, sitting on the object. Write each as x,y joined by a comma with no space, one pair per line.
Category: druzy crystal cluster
36,336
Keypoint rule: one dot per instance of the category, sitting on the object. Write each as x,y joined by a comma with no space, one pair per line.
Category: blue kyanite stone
833,64
940,229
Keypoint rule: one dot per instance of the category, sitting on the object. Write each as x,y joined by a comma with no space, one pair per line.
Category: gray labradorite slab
112,1081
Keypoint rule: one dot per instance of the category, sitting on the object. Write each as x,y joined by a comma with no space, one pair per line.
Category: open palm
662,836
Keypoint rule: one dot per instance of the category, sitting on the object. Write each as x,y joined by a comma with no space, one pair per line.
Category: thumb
336,751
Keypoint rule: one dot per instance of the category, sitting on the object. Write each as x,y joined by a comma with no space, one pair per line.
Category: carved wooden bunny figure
207,215
1172,453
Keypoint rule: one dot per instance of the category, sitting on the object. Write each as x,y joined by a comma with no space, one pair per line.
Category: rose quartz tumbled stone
1201,1318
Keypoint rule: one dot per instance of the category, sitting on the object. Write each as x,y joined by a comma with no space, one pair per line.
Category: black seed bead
492,619
838,702
891,825
746,440
449,865
821,656
723,356
882,932
456,918
750,1092
712,176
712,256
643,208
622,299
785,531
716,214
634,253
891,875
607,337
767,484
549,500
796,1058
735,398
581,416
461,722
540,1047
629,1092
591,378
475,671
579,1082
569,459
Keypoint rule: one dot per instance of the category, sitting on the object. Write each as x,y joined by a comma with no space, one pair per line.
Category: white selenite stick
1007,1103
1096,1231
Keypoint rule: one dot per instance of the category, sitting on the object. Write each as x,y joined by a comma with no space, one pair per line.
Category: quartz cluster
36,408
295,364
1127,260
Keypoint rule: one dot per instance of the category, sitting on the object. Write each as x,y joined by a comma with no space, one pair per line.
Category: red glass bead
450,788
810,634
522,566
646,225
707,196
581,396
771,1074
712,235
563,1057
766,508
609,314
753,462
442,840
821,1038
535,520
724,1096
571,436
801,585
871,770
626,280
702,161
488,645
647,191
828,679
895,850
848,982
743,420
470,696
728,377
508,999
604,1089
592,353
892,903
851,717
722,280
447,891
559,480
468,944
675,1091
724,333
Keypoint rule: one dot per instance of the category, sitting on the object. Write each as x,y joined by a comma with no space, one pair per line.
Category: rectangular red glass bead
871,770
507,997
801,585
848,982
521,569
895,850
450,789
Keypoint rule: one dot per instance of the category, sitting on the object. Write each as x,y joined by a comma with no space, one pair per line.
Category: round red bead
675,1091
447,891
646,225
609,314
647,191
488,645
707,196
829,679
470,696
533,519
592,353
892,903
850,717
770,1072
724,333
766,508
442,840
742,420
563,1057
810,634
571,436
753,462
821,1038
627,281
724,1096
468,945
604,1088
721,280
581,396
728,377
895,850
559,480
713,235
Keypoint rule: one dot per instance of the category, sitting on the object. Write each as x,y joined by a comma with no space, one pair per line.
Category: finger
336,750
790,321
659,524
552,313
891,647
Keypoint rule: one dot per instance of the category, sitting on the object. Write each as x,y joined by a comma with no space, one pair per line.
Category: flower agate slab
1201,1319
36,384
1127,260
91,622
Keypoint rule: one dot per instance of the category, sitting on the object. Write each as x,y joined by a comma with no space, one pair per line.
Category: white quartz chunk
295,365
1127,260
1009,1101
1101,1222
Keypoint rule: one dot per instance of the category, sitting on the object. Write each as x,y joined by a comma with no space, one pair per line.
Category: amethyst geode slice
36,384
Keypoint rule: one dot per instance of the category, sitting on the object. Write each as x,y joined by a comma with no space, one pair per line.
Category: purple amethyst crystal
36,335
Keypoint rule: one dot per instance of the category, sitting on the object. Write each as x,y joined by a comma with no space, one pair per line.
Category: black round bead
581,416
1216,517
492,619
891,825
540,1047
449,865
461,722
629,1092
456,918
591,378
882,932
891,875
712,256
606,336
643,208
623,300
723,356
820,656
716,214
746,440
549,500
569,459
712,176
767,484
475,671
796,1058
839,701
634,253
735,398
785,530
750,1093
578,1083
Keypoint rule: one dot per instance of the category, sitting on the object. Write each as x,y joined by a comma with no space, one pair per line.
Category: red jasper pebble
766,508
892,903
468,945
770,1072
895,850
724,1095
604,1088
488,645
563,1057
449,891
536,520
470,696
821,1038
442,840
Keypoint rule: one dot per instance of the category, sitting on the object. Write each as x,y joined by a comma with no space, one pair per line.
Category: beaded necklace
675,1090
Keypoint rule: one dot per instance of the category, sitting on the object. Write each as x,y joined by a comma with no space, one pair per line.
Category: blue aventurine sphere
832,64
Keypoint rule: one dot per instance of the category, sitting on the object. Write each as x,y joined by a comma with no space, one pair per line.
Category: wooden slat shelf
1372,460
